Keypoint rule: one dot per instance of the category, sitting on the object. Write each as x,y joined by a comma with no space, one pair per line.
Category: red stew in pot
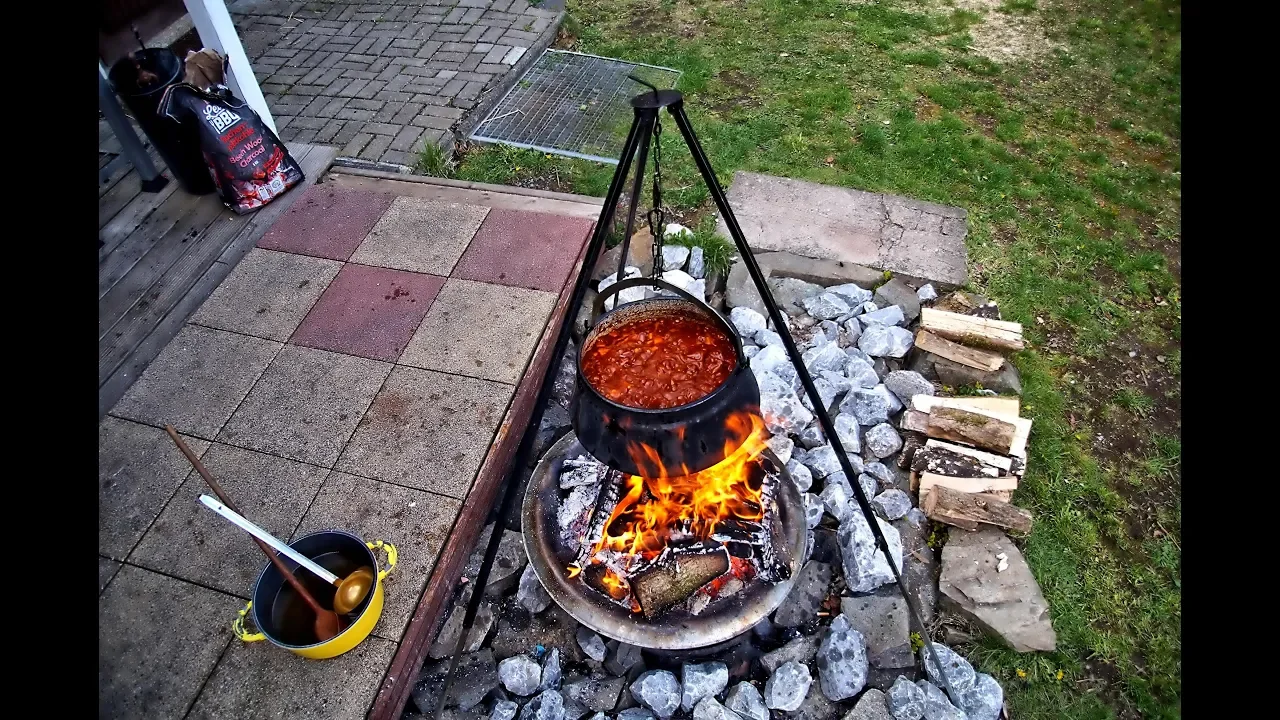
659,362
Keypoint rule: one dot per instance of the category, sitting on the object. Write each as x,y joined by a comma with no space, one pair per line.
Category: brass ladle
352,589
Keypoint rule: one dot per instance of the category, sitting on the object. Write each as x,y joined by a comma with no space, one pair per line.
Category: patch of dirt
927,109
1006,37
739,92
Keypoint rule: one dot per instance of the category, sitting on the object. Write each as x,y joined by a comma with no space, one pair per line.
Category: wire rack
571,104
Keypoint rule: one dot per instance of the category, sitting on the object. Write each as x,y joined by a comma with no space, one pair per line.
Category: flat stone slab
480,329
107,569
268,294
369,311
139,468
427,430
525,249
419,235
326,222
158,639
306,405
190,542
197,381
891,232
252,681
415,521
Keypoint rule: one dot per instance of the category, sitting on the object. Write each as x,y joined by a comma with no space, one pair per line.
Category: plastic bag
249,164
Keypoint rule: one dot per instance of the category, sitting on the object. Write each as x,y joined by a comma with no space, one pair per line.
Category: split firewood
999,405
970,427
914,420
968,510
972,330
927,481
910,445
1007,465
942,461
982,421
974,358
664,586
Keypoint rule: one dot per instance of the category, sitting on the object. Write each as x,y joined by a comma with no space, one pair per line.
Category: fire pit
666,562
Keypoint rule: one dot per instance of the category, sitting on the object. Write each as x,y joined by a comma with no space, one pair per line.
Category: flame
674,503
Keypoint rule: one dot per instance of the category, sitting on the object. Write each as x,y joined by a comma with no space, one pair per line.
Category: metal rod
646,119
594,248
152,180
780,326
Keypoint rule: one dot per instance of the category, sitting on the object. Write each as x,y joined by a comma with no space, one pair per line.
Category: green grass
1069,165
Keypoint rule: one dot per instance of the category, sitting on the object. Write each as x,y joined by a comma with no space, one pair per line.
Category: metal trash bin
178,144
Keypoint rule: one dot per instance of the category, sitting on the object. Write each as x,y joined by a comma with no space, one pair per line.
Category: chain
657,216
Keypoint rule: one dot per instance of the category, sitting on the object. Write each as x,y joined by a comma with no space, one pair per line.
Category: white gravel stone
702,680
744,699
591,644
674,256
927,293
747,321
787,687
520,674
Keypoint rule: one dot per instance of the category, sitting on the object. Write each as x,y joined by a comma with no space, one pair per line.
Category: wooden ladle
327,623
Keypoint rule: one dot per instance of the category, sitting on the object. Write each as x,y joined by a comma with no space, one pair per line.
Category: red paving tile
368,311
524,249
327,222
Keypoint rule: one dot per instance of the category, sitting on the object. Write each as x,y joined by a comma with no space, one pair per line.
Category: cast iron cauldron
692,435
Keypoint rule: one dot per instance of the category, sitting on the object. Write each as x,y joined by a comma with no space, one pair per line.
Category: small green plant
434,161
916,642
717,251
1022,7
1134,401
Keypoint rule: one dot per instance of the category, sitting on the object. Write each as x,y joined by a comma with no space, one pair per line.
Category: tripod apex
650,100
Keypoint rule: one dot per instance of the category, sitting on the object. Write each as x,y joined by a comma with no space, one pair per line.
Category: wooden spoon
327,623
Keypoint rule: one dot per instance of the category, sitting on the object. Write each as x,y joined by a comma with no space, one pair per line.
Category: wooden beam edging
428,615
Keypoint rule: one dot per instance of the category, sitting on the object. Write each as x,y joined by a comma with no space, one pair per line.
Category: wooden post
217,32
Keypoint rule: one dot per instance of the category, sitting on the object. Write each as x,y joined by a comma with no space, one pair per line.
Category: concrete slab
107,569
268,294
327,222
191,542
197,381
525,249
369,311
306,405
415,521
158,639
822,221
421,236
262,681
480,330
139,469
427,430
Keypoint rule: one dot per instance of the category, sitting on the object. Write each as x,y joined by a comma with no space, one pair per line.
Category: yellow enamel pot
285,620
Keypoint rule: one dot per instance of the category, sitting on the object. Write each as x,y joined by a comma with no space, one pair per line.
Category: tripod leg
646,137
828,427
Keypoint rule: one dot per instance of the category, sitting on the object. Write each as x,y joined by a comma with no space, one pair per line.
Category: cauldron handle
598,308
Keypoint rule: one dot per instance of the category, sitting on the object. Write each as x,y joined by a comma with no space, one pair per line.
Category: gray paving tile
481,330
261,682
139,468
192,542
306,404
415,521
268,294
106,570
197,381
427,430
158,639
421,235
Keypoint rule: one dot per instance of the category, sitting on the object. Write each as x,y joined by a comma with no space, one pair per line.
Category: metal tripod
647,108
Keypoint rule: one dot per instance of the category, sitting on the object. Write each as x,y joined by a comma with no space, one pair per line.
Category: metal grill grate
571,104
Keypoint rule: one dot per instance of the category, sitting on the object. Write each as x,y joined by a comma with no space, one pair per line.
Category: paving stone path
351,373
378,80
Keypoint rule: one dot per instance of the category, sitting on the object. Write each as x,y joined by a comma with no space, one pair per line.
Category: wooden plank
926,480
969,510
112,173
972,330
914,420
970,427
136,359
125,222
997,461
116,265
118,197
1003,405
423,626
974,358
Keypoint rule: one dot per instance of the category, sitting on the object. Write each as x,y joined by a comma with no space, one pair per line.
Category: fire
677,504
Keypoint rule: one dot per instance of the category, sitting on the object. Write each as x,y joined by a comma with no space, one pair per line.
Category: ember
659,362
655,541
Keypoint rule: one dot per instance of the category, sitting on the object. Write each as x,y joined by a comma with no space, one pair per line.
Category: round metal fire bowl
677,629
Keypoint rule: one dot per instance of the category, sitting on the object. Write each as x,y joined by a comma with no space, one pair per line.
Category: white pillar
213,22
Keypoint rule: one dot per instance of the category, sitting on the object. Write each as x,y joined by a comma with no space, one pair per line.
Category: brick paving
378,80
326,386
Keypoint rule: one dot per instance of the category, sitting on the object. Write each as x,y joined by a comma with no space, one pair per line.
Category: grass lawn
1057,125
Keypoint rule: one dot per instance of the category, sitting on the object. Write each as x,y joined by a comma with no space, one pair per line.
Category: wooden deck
162,254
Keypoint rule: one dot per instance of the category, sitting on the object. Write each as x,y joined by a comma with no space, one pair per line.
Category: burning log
670,583
612,489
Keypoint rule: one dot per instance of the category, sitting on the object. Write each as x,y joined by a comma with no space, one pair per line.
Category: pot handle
393,556
237,626
621,285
